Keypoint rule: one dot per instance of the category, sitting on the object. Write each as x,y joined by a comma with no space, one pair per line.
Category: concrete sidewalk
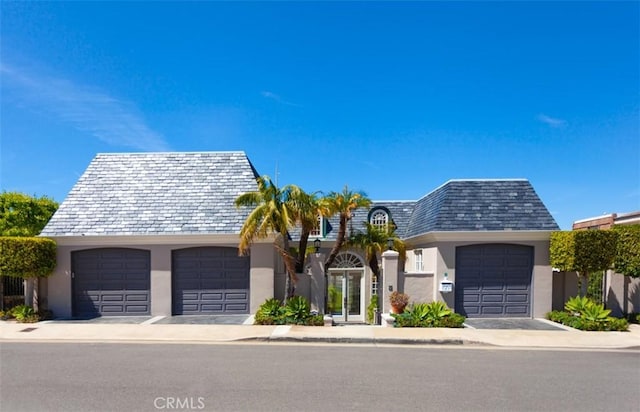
66,332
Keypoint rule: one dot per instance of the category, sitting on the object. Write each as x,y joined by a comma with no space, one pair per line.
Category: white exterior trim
481,236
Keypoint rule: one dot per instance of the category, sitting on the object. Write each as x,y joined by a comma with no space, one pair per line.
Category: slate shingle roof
480,205
156,193
194,193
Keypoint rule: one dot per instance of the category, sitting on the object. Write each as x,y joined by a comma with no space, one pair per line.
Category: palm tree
306,209
373,241
274,213
343,203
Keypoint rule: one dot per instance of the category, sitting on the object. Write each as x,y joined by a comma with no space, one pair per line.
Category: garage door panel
518,298
104,279
137,309
522,310
211,308
487,298
112,298
212,264
136,277
206,279
212,296
112,309
493,280
472,297
213,284
236,307
517,288
136,298
490,311
236,296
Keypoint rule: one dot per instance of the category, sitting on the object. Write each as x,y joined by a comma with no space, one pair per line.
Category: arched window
346,260
380,219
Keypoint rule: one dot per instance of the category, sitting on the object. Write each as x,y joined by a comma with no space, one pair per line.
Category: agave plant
419,312
438,310
271,307
578,304
596,313
297,309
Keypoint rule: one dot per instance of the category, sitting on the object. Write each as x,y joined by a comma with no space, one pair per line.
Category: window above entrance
347,260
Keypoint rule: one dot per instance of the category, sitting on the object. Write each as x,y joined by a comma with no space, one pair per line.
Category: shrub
315,320
578,304
297,311
269,312
27,256
429,315
584,314
24,314
454,320
371,309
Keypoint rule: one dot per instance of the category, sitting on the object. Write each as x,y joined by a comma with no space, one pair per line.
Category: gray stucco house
157,234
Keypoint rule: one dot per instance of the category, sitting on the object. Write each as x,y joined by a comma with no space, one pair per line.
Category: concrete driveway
128,320
511,323
160,320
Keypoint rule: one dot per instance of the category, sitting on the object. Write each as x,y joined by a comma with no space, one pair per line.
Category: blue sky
390,98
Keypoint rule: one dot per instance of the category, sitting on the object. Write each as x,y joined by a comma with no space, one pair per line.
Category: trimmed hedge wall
583,251
27,257
628,256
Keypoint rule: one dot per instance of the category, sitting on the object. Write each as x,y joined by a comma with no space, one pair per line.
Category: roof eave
481,236
142,240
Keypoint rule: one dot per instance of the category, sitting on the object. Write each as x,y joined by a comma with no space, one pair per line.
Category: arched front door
346,288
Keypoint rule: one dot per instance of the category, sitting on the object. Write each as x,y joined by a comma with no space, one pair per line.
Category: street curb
385,341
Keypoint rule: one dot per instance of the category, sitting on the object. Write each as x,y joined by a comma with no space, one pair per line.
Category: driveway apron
510,323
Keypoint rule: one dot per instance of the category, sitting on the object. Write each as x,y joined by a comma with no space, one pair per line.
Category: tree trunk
625,295
302,251
583,283
35,303
28,291
342,230
290,268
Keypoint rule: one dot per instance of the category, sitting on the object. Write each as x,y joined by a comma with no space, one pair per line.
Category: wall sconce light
390,243
316,245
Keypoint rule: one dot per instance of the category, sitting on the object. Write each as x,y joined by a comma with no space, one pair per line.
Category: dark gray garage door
109,282
210,280
493,280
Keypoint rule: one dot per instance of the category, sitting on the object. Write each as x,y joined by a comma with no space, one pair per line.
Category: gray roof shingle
194,193
156,193
480,205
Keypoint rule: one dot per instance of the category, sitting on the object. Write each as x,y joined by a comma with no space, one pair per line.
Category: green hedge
27,257
627,260
583,251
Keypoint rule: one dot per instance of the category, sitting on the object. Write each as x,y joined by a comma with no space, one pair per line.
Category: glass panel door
354,294
336,293
345,295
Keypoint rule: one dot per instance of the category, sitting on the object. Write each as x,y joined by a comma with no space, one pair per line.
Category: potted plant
398,301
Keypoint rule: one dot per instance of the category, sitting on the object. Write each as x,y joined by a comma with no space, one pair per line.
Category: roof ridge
171,152
517,179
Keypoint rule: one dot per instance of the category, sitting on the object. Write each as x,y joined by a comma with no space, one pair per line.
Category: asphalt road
269,377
